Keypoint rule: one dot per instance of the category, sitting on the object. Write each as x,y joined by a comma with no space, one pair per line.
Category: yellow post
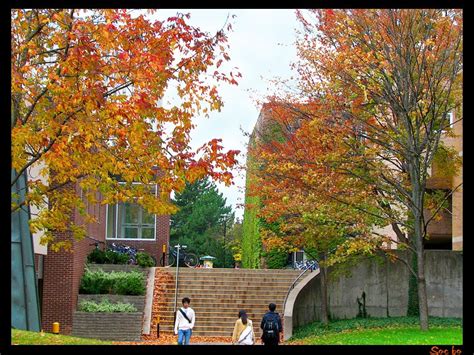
56,328
164,255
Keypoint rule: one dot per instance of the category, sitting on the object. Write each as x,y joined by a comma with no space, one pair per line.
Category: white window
128,220
450,119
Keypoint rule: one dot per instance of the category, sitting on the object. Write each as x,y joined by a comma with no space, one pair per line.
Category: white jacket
181,322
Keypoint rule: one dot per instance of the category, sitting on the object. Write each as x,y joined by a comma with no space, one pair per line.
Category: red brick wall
58,288
63,270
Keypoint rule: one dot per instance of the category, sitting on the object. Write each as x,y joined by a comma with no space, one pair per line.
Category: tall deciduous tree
300,197
86,90
390,77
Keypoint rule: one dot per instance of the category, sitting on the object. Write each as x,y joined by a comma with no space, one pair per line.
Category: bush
133,284
121,283
276,259
113,257
145,260
98,256
106,306
96,282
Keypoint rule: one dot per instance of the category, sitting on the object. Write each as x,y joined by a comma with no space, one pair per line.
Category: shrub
276,259
145,260
106,306
96,282
121,283
133,284
113,257
98,256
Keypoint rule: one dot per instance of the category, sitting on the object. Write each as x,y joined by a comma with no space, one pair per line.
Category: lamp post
225,227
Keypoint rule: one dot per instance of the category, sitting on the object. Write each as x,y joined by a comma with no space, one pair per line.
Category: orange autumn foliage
87,105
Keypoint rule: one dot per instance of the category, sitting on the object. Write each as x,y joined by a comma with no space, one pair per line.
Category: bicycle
125,249
189,259
308,264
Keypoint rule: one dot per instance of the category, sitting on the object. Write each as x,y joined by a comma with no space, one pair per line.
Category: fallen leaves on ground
168,338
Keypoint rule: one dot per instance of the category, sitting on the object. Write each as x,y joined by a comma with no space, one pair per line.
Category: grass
381,331
23,337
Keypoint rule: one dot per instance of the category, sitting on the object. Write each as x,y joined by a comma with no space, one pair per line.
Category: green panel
24,291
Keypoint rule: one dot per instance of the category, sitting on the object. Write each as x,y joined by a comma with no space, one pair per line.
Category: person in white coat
243,330
184,323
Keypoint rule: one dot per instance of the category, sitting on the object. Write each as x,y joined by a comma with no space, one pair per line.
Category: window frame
450,118
115,207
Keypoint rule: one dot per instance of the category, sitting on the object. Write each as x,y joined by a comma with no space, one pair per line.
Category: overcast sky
262,47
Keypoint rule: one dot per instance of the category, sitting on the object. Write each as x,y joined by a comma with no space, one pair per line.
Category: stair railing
306,267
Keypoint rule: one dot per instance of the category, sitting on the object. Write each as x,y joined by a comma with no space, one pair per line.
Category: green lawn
23,337
381,331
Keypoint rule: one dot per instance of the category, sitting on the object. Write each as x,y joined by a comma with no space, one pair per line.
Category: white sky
261,46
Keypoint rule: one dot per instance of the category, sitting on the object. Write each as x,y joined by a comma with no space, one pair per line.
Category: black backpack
270,327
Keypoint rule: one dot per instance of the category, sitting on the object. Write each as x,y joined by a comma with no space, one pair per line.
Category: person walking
184,323
243,330
271,326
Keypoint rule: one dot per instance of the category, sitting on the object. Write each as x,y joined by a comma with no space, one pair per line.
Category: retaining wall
125,326
386,289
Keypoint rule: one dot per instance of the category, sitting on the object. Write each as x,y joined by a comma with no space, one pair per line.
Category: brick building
59,272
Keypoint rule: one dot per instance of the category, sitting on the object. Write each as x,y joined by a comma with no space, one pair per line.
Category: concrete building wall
386,288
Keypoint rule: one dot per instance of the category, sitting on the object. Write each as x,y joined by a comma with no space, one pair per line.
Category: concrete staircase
217,295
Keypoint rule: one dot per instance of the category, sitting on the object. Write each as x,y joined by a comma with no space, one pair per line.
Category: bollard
56,328
164,255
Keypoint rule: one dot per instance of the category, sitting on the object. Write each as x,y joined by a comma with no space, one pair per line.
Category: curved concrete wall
386,287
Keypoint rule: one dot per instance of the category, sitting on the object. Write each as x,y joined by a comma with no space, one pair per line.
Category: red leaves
106,87
123,56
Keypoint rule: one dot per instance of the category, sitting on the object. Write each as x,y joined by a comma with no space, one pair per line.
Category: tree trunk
418,190
422,296
324,297
413,304
421,282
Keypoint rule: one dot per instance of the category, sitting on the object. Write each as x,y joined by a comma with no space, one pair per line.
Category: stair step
229,290
232,304
217,295
227,330
242,283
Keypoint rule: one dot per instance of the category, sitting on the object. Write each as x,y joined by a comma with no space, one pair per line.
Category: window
130,221
449,120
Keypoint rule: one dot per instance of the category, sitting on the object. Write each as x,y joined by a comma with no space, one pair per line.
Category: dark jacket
270,315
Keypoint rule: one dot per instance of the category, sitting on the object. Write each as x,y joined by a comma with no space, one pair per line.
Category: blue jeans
186,334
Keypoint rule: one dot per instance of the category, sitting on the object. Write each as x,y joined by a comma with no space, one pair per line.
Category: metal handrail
309,266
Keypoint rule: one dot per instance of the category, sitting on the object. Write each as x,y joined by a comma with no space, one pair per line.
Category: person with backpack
271,326
243,330
184,323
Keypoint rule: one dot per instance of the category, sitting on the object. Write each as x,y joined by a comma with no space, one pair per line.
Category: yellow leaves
95,137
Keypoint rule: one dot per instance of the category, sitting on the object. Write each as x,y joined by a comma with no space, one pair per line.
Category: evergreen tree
202,220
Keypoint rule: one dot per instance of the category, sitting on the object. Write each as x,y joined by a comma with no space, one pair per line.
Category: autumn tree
87,106
390,77
300,197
